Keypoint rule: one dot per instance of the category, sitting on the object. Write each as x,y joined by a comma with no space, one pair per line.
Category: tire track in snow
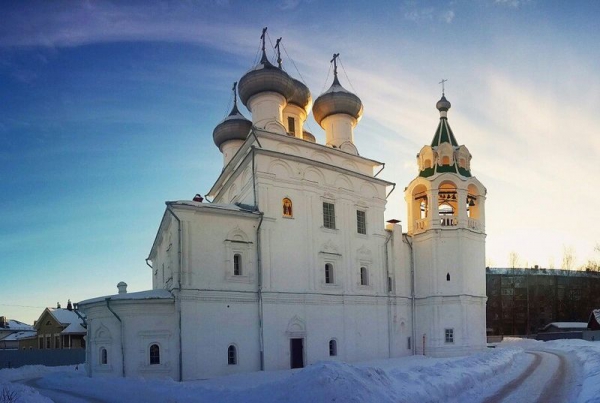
545,380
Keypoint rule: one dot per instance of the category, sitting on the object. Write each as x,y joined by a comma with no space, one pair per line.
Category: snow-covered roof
142,295
16,325
567,325
64,316
74,328
20,335
217,206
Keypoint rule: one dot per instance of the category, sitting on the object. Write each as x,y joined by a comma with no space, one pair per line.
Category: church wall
211,322
144,323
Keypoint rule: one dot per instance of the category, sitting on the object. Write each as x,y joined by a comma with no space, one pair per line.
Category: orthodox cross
442,82
262,37
278,52
234,94
334,61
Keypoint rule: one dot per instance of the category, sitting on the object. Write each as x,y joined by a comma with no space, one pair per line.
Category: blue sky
107,110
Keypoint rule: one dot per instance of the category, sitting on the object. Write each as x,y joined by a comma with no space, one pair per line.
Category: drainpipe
178,300
149,265
122,337
393,188
413,318
389,293
261,329
79,315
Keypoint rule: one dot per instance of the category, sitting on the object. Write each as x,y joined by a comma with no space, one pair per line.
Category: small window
41,342
332,348
56,341
328,215
361,222
291,125
287,207
408,344
448,277
232,355
103,356
364,276
328,273
48,342
154,354
449,335
48,323
237,264
389,284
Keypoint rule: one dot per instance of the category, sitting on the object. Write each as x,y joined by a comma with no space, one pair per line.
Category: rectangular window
328,273
389,284
328,215
291,125
237,264
361,222
41,342
364,276
449,335
48,341
56,341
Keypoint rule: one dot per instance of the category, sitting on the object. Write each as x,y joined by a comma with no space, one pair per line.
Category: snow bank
22,393
588,353
398,380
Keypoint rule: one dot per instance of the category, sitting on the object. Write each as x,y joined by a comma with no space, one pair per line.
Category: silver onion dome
234,127
301,96
443,104
337,100
265,77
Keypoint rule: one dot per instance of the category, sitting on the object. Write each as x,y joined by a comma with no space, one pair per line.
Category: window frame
103,356
238,269
329,215
291,122
232,355
333,350
364,276
329,273
154,354
361,229
449,335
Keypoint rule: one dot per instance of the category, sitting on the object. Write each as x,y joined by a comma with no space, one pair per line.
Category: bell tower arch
446,221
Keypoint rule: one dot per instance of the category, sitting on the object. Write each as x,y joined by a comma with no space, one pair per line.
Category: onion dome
443,104
301,96
337,100
265,77
308,136
234,127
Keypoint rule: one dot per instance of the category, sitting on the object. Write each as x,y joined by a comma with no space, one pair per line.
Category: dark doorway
297,353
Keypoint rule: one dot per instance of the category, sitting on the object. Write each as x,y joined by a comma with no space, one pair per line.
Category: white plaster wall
211,322
145,323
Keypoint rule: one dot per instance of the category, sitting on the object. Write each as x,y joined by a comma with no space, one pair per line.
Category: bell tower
446,223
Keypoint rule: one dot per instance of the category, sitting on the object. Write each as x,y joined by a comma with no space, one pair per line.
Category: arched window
332,348
445,160
287,207
154,354
446,209
232,355
448,277
423,208
364,276
103,356
328,273
237,264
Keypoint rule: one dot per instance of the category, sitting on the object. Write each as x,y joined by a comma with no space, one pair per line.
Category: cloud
511,3
448,16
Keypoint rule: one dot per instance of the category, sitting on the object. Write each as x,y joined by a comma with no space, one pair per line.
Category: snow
64,316
16,325
567,325
409,379
20,335
150,294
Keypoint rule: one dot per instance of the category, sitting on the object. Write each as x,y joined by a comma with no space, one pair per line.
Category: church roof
129,296
443,134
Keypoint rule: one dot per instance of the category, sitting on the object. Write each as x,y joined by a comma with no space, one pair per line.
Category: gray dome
265,77
233,127
443,104
337,100
302,96
308,136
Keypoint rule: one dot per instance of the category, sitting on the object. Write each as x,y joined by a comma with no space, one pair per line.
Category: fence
50,358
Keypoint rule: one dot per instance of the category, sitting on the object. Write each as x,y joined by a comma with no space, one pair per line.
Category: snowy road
538,377
60,396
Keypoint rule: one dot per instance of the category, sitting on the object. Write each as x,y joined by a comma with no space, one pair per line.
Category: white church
292,261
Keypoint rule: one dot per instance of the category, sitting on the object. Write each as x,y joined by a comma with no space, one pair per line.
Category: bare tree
568,259
513,259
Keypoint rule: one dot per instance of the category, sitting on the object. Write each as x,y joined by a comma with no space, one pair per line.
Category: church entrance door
297,353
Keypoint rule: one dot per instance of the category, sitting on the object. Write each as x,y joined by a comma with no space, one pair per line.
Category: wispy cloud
511,3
